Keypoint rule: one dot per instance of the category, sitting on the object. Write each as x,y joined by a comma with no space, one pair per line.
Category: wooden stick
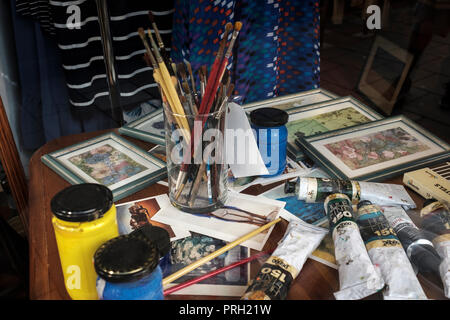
214,273
217,253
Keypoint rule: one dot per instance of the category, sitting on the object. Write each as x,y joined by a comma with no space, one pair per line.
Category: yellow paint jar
84,218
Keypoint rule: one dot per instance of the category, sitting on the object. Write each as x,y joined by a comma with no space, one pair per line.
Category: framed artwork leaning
289,101
149,128
109,160
323,117
375,150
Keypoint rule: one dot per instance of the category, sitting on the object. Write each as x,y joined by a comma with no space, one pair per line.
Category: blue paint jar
271,136
128,269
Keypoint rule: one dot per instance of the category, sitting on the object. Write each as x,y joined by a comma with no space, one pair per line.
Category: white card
242,153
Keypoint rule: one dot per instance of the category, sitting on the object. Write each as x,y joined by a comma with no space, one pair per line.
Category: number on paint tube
340,215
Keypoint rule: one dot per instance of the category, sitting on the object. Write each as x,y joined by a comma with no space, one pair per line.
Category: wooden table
316,280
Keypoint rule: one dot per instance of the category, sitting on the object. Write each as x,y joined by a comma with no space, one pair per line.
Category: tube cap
269,117
82,202
363,203
289,186
426,259
429,201
126,258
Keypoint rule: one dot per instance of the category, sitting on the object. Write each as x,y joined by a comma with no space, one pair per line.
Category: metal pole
105,32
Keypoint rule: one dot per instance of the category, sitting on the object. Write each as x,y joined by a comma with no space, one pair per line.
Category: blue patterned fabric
277,51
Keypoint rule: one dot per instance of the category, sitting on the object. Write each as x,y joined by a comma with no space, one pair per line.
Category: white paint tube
279,271
358,277
436,221
386,251
317,189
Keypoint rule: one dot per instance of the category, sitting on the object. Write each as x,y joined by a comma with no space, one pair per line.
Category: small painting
324,122
106,165
232,282
374,148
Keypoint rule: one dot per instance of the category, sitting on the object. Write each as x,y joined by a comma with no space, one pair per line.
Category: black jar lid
82,202
158,235
363,203
269,117
126,258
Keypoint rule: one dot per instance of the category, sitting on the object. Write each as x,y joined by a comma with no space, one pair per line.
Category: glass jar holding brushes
194,123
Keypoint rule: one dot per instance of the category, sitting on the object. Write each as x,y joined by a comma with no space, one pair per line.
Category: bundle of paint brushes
185,105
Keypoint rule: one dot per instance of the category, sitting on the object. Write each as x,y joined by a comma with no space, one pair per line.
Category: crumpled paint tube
279,271
436,221
358,277
419,249
317,189
386,251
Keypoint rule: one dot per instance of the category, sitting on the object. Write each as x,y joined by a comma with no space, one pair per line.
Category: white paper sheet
242,153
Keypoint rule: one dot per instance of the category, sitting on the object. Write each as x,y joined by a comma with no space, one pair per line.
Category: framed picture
292,100
231,283
384,73
149,128
109,160
324,117
375,151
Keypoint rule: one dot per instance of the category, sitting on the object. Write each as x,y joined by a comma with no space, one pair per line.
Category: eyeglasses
234,214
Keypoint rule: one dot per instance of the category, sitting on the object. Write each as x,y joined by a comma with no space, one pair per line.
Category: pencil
217,253
214,273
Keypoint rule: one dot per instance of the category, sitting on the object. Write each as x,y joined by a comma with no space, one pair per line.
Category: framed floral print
375,151
109,160
289,101
149,128
323,117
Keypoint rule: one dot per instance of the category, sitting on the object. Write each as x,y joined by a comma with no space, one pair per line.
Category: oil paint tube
419,249
386,251
358,277
436,221
279,271
317,189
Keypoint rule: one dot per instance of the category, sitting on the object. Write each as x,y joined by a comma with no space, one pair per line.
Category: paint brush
191,75
225,100
163,84
202,76
211,84
237,28
217,253
215,272
187,91
160,42
171,90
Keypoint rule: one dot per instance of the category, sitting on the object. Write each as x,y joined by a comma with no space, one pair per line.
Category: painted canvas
229,283
106,165
361,152
324,122
313,213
